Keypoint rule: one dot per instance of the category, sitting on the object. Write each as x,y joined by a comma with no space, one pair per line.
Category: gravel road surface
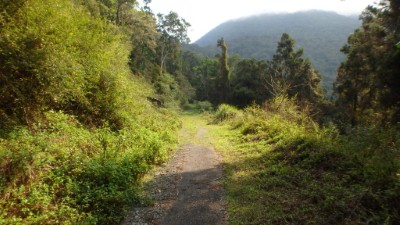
187,190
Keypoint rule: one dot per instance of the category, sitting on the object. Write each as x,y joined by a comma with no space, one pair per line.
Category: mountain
320,33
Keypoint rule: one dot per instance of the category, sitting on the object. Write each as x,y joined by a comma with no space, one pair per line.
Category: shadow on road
200,199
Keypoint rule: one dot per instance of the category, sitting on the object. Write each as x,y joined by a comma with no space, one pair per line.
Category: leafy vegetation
61,172
367,86
245,81
317,163
88,90
77,131
225,112
321,34
282,168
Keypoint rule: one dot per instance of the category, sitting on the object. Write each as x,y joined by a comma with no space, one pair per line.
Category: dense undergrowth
285,169
76,130
60,172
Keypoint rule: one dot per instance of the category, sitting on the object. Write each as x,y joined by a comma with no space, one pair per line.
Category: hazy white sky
204,15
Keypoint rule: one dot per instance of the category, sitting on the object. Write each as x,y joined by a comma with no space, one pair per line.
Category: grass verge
285,170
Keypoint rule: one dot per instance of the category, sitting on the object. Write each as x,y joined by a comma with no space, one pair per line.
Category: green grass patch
283,170
193,121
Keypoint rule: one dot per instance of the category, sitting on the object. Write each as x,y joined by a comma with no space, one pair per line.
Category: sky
204,15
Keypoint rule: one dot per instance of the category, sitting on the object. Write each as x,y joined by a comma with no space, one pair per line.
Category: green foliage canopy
291,74
58,57
367,86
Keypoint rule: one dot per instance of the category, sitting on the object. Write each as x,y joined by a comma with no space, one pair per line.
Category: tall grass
284,169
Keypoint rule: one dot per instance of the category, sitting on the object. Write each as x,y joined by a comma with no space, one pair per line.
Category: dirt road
187,190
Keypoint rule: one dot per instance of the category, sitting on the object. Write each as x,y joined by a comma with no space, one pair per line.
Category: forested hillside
241,82
321,34
291,155
91,93
81,89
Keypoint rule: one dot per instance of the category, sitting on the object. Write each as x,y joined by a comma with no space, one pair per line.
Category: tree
224,70
355,87
368,82
144,38
291,74
173,33
115,11
122,7
248,82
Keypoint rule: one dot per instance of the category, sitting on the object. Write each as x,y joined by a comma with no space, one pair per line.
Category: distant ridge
320,33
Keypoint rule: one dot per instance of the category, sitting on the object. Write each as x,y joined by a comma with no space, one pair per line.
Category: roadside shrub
38,171
63,173
288,109
226,112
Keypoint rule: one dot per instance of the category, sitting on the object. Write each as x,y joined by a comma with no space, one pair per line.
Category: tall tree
173,33
368,82
248,82
293,75
144,39
224,69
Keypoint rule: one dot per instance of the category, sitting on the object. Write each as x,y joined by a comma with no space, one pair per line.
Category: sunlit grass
288,171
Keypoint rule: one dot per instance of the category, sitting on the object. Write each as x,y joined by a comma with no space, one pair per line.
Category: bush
61,172
226,112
